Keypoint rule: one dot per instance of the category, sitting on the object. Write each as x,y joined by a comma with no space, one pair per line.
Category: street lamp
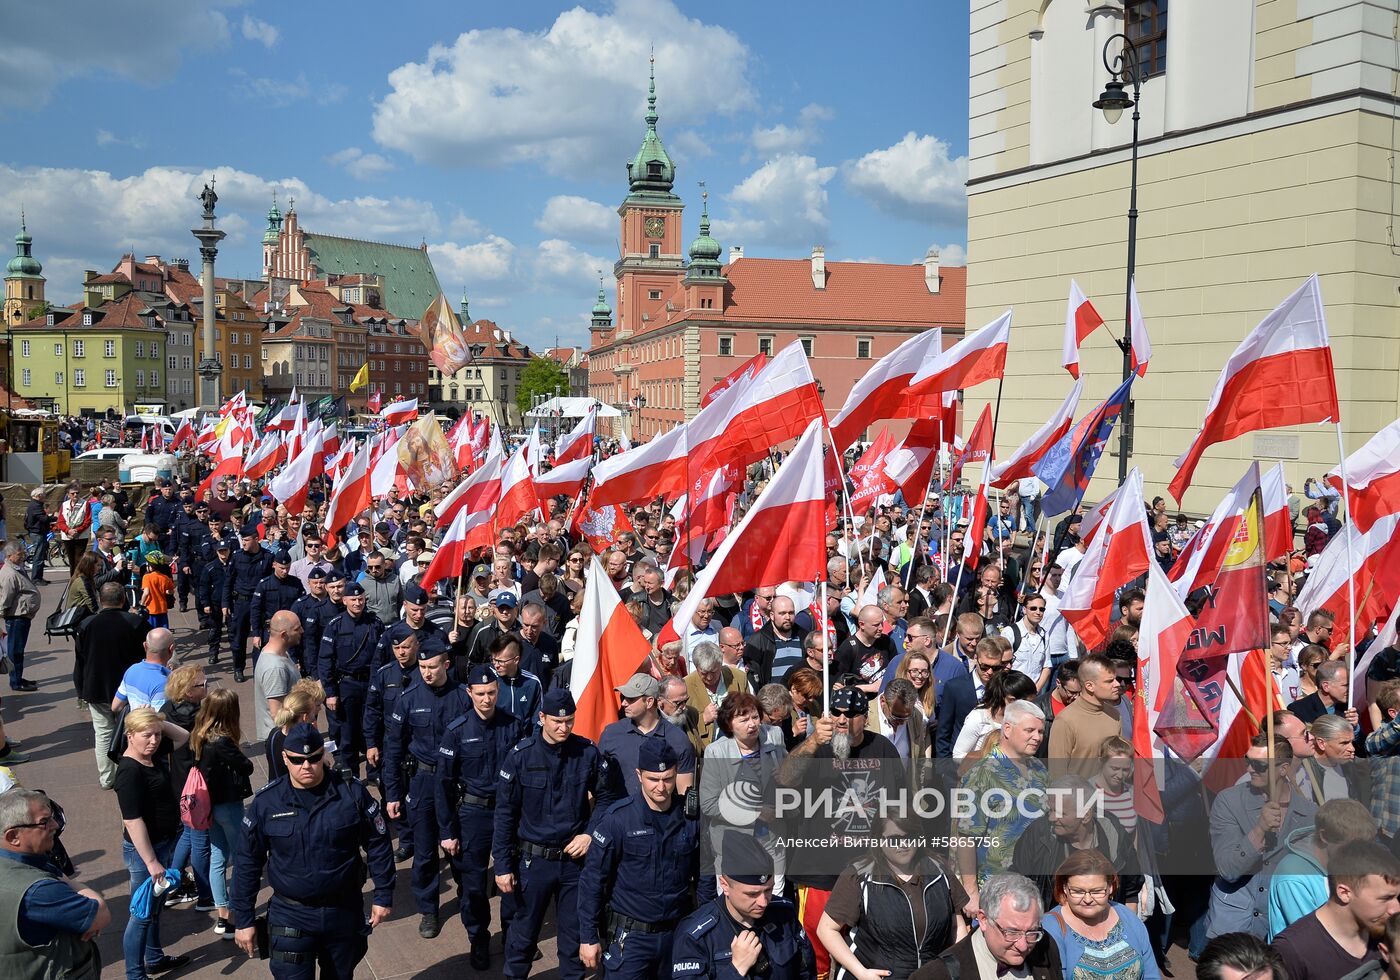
1124,69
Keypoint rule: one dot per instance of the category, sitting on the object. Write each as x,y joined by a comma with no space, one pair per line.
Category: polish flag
1237,722
480,436
868,474
1166,628
1388,636
375,400
451,554
228,461
460,439
977,526
977,449
610,649
744,372
386,471
911,464
183,435
236,402
1081,319
781,538
1200,561
297,432
208,435
1278,521
1018,466
562,481
351,495
739,427
882,392
265,458
517,489
1374,472
293,484
1116,556
697,524
401,411
480,491
1280,375
1141,351
330,442
282,420
976,358
1374,558
578,443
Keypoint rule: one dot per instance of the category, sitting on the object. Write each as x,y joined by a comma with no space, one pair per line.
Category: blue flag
1068,465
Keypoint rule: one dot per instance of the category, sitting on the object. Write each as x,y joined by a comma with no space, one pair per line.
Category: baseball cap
481,571
639,686
504,599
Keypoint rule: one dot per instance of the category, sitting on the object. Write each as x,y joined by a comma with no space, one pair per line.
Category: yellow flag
361,378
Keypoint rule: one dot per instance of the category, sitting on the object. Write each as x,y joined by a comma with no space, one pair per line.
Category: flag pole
1351,565
826,654
845,493
937,455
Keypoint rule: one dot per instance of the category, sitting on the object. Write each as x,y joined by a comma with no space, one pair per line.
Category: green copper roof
274,224
651,172
410,283
601,308
466,317
705,251
24,265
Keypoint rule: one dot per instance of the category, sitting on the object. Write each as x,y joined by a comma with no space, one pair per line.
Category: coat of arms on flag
600,528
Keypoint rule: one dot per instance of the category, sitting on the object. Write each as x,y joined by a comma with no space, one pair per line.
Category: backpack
196,809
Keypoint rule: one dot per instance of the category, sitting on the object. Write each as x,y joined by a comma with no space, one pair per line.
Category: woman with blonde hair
917,669
302,703
184,692
227,771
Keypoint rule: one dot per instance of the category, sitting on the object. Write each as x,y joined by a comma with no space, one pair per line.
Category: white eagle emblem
598,523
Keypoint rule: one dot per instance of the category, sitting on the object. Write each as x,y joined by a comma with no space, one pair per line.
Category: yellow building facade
1268,127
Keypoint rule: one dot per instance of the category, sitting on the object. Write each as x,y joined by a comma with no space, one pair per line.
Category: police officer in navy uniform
541,833
471,757
191,533
308,608
331,606
209,594
347,647
415,616
274,593
249,565
413,733
310,828
744,931
385,686
640,868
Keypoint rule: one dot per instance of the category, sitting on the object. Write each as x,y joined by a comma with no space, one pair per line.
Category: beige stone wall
1228,228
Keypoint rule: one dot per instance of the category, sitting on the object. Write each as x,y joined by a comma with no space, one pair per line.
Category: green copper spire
651,172
274,223
24,265
704,251
462,313
602,312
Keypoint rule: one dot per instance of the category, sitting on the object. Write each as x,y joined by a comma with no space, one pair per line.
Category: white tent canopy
572,408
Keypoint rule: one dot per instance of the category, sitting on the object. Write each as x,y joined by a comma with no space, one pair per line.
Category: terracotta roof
117,314
562,354
109,277
781,290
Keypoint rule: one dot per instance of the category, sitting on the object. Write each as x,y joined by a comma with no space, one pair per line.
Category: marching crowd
432,731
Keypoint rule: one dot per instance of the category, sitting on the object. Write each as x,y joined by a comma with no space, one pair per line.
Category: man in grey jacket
19,603
1250,824
383,591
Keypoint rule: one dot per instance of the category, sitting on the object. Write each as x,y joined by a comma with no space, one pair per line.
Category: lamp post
1124,68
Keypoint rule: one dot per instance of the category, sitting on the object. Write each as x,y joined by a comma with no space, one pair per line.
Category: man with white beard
674,708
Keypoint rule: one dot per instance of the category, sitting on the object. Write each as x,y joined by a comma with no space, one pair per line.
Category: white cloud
138,40
571,97
359,164
493,258
952,254
565,264
260,31
570,216
781,138
85,219
106,138
783,202
914,178
278,93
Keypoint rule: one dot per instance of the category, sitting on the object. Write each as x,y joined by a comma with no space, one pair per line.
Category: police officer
347,646
209,592
249,566
161,512
413,733
415,616
190,532
310,827
639,891
385,686
471,756
744,930
331,606
541,833
309,607
274,593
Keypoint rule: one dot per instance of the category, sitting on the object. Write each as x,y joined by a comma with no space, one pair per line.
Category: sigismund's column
209,238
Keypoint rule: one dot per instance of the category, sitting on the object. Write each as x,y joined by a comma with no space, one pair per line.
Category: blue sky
497,133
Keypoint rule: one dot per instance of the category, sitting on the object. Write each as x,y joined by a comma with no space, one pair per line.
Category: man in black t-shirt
867,653
1363,882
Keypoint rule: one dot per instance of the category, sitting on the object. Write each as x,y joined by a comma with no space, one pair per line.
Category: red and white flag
600,526
451,554
184,436
1281,374
578,443
386,471
1388,636
1278,521
1081,319
1373,557
401,411
868,474
1237,722
460,439
976,358
1200,561
745,372
1166,627
228,461
739,427
1116,556
480,437
330,442
911,465
351,494
293,484
375,400
562,481
1019,465
480,491
781,538
610,649
883,391
517,488
977,526
977,449
235,402
1141,351
283,419
1374,472
268,455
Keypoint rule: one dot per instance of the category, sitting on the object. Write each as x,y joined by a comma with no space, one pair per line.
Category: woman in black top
226,770
151,826
184,691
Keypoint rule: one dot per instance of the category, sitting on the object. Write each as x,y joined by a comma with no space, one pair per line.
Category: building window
170,363
654,251
140,349
58,349
25,377
233,337
765,346
247,362
58,378
110,378
863,348
807,346
1147,28
79,348
109,348
726,347
155,378
24,348
140,379
653,294
186,362
87,319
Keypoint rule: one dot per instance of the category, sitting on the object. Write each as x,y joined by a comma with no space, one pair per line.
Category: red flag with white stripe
517,488
293,484
1019,465
1374,472
265,458
1281,374
577,443
400,412
1116,556
976,358
1166,627
451,554
883,391
351,494
562,481
184,436
610,649
1081,319
228,461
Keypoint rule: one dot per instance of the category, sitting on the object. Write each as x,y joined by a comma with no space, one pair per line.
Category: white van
107,452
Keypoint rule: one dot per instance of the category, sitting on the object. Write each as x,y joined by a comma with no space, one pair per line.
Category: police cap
334,575
303,739
249,531
316,574
434,645
656,755
280,557
399,632
744,859
416,595
353,589
559,703
481,674
223,544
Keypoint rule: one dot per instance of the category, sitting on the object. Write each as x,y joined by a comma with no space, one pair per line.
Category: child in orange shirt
157,589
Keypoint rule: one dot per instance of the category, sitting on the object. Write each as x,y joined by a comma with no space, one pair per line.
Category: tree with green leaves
541,376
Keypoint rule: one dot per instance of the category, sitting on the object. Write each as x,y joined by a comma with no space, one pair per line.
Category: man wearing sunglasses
315,913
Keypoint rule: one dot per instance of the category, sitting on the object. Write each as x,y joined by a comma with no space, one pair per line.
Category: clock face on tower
654,227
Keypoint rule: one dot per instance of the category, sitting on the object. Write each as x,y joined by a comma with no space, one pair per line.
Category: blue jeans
1030,512
17,637
223,836
141,941
41,555
193,849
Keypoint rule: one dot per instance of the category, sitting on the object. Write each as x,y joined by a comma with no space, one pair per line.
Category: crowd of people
432,731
